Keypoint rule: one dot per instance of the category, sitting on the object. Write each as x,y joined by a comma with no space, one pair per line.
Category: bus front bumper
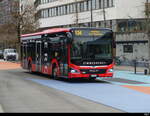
73,75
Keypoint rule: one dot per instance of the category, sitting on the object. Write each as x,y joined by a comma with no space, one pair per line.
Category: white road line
1,109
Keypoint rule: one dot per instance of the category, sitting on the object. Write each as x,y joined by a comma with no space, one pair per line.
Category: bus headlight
110,70
74,71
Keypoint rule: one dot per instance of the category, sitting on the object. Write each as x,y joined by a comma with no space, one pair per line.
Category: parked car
10,54
1,54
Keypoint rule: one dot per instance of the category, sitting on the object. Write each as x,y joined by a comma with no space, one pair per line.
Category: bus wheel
54,73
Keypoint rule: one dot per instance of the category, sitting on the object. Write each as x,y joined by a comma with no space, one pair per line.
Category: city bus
69,52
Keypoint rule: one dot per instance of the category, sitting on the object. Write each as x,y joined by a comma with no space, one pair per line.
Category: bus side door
24,55
38,62
45,57
63,58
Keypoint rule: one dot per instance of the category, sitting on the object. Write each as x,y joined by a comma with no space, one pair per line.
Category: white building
52,13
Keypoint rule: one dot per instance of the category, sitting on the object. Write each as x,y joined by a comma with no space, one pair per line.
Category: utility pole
91,13
76,14
104,13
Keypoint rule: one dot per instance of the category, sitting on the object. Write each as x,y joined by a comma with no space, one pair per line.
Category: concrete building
125,17
52,13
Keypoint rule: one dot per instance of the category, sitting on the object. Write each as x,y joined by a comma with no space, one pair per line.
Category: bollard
134,66
145,72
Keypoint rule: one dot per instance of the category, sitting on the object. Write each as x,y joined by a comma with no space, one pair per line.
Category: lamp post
104,13
77,16
91,10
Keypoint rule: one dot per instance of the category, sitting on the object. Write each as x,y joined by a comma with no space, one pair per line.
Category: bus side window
31,50
45,52
63,51
58,52
21,51
24,51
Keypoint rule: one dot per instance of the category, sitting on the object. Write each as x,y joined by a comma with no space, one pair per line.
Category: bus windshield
92,47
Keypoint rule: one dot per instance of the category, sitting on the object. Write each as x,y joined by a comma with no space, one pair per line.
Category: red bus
69,52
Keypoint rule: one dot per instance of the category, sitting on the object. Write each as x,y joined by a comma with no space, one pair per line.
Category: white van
10,54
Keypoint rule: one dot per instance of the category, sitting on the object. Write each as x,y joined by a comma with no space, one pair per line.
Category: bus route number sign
78,32
95,33
88,33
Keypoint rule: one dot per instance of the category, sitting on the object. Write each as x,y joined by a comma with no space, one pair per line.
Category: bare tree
20,23
24,19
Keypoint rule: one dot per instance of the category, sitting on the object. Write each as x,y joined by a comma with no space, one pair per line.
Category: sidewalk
129,68
9,65
127,72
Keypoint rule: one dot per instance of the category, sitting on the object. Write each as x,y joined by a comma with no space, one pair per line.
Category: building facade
52,13
125,17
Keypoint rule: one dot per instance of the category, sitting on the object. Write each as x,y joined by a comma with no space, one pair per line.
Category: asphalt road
17,94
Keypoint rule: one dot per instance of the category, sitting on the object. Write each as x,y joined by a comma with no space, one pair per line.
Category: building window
128,48
130,26
93,4
85,5
108,3
97,4
112,3
82,6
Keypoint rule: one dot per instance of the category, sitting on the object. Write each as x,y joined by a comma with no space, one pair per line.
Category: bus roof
56,30
48,31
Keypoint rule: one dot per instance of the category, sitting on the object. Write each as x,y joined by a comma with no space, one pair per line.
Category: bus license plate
93,76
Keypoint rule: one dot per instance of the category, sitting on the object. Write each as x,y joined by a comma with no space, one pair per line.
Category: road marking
1,109
138,88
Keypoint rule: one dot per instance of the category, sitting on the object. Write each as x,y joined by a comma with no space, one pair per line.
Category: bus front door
38,56
64,59
24,55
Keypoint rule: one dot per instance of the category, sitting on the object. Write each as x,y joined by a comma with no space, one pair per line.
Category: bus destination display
88,33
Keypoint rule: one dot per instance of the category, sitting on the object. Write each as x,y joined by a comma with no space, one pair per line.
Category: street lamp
104,13
91,14
77,16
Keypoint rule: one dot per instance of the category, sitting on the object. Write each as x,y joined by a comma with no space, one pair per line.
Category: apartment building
52,13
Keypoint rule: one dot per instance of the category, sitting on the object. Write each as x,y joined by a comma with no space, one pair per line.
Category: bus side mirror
69,37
